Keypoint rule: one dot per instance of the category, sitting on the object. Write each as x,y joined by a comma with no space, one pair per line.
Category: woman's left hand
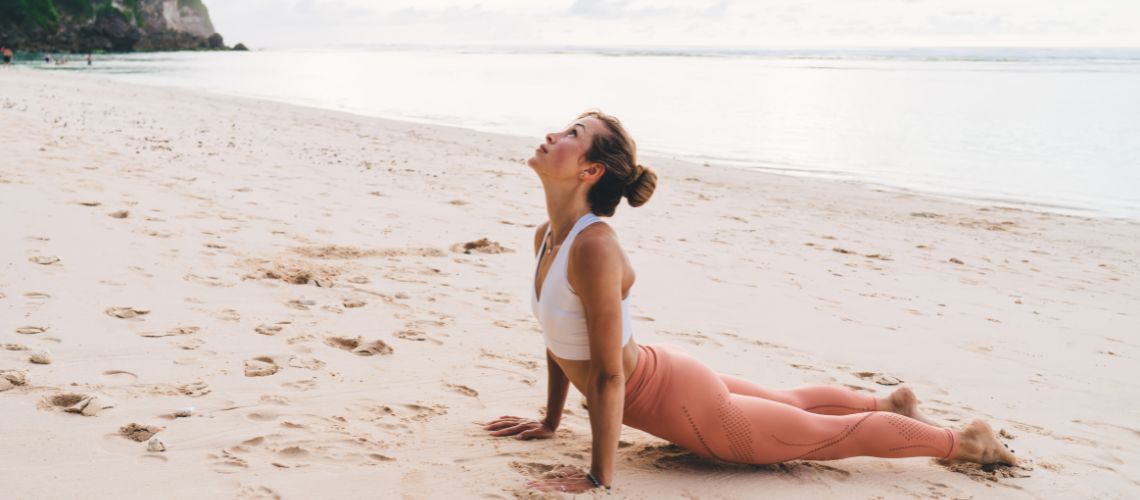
572,481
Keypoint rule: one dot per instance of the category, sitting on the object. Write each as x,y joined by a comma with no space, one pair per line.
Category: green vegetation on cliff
47,14
40,13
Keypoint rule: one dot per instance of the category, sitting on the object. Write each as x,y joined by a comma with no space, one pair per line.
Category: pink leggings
677,398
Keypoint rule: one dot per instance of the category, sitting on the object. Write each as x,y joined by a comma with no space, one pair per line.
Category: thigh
737,385
686,389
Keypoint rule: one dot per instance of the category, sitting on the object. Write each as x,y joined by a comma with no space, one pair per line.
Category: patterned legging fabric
675,397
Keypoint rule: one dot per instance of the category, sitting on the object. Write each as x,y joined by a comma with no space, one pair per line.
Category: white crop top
559,310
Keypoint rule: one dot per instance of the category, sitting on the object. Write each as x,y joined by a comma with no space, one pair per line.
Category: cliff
106,25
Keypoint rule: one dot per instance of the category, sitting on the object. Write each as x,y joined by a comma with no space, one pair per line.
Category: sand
340,299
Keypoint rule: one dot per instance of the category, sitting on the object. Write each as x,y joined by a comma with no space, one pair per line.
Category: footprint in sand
138,432
297,304
462,389
301,385
45,260
229,315
194,389
356,346
482,245
227,462
354,303
308,363
257,493
120,376
213,281
31,330
82,404
14,377
178,330
879,378
268,329
416,335
262,366
120,214
126,312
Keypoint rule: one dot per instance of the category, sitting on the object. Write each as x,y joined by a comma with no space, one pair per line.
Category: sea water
1053,128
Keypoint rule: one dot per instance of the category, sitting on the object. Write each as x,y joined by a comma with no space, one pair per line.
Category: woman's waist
578,370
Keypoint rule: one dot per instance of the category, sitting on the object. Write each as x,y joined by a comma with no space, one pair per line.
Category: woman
581,299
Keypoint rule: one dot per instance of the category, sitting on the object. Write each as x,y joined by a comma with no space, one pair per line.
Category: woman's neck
564,211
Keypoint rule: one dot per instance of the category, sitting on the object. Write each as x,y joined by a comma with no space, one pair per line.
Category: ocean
1052,129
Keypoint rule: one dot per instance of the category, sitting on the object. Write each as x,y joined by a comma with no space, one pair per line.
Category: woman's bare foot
905,403
978,444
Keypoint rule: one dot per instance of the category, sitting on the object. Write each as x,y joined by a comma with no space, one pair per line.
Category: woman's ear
593,172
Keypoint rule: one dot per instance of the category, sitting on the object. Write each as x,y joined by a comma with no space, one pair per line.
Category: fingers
533,433
511,431
502,422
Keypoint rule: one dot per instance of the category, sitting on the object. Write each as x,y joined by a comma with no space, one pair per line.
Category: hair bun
641,186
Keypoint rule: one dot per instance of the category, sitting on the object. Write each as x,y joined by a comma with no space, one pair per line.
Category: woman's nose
550,138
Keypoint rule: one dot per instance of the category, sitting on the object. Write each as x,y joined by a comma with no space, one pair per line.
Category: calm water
1056,128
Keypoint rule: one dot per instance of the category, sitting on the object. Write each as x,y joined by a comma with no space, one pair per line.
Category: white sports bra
560,311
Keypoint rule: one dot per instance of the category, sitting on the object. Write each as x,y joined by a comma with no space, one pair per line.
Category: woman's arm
598,263
557,386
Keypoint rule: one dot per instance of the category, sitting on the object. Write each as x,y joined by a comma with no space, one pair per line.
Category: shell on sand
155,445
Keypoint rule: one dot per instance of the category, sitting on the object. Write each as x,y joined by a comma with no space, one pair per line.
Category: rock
155,445
241,47
40,358
184,412
215,41
5,384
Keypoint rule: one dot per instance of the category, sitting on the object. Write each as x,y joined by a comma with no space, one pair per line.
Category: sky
674,23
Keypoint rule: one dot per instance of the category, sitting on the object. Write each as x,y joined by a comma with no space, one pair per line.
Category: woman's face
563,153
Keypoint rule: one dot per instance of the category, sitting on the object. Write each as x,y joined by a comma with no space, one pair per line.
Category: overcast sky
774,23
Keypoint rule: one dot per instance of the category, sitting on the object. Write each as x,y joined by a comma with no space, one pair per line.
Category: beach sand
300,278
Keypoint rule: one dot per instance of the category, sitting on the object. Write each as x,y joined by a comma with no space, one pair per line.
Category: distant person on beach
88,59
7,56
580,296
47,59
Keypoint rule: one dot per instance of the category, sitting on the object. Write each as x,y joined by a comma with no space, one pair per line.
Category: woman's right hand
520,428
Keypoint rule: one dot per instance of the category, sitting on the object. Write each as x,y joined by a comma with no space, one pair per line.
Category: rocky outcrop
107,25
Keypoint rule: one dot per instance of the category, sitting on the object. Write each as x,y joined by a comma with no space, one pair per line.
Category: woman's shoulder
598,240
